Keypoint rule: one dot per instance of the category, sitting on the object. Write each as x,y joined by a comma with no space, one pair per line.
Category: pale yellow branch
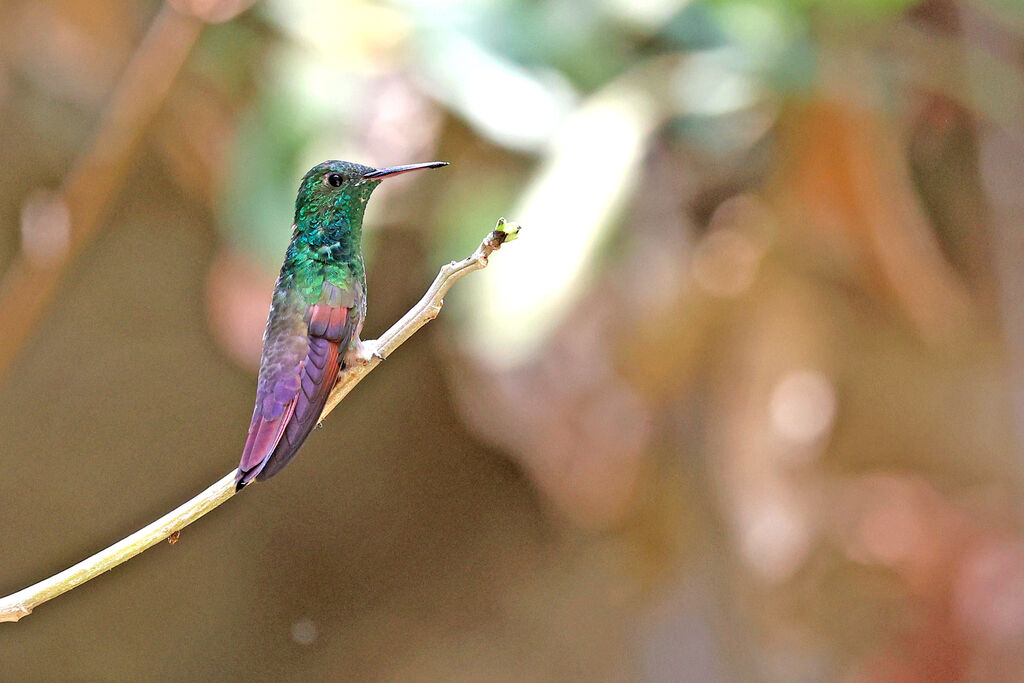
425,310
17,605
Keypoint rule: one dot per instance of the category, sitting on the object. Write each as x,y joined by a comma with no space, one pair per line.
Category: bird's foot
363,352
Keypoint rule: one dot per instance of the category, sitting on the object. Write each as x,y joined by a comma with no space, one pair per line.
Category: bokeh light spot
803,406
304,631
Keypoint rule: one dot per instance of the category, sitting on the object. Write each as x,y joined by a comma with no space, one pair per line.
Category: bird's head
338,190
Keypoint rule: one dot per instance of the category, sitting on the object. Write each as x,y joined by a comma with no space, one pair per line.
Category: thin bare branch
17,605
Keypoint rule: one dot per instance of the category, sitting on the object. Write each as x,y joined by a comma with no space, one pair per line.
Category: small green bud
508,228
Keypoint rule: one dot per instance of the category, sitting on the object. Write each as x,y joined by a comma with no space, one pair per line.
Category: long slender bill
396,170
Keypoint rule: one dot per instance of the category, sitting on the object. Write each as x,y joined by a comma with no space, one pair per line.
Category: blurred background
743,403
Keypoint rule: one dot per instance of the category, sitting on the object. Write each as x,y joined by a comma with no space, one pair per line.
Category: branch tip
506,231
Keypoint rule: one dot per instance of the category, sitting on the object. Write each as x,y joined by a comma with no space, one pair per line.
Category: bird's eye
334,179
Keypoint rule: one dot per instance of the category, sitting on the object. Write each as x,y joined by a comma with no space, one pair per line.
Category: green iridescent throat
326,242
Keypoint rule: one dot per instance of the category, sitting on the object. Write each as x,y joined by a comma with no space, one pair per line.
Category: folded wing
301,355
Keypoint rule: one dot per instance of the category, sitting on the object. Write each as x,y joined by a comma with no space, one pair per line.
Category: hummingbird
316,313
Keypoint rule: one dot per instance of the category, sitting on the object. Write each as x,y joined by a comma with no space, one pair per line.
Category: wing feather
301,358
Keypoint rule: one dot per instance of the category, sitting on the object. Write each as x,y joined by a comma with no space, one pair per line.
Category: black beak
380,173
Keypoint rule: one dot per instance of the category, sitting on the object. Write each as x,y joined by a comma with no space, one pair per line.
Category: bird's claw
364,352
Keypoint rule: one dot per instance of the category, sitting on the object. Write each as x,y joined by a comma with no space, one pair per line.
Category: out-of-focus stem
33,278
